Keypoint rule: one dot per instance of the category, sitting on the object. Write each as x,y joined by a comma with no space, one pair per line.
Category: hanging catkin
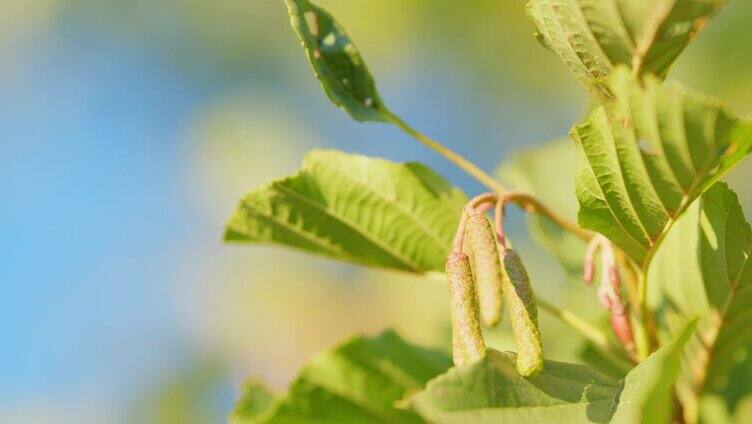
486,267
523,314
467,340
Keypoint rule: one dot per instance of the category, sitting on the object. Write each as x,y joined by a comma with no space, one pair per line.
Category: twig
531,204
449,154
525,200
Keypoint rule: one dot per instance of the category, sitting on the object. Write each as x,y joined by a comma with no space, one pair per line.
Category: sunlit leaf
358,209
336,62
646,155
704,269
645,395
358,382
609,365
594,36
491,391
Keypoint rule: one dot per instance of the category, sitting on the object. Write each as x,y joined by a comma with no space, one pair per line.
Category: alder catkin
523,314
467,340
486,267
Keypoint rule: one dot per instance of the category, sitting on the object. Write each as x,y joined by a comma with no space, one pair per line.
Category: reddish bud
622,328
614,277
605,297
588,269
588,272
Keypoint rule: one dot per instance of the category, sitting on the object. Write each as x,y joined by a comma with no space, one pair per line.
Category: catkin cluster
480,282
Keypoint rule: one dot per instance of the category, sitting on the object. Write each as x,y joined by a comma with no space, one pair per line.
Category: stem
449,154
642,287
459,236
531,204
473,206
630,272
499,223
481,199
527,201
588,331
642,336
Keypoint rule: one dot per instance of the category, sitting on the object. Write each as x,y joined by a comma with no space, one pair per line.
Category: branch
530,204
526,201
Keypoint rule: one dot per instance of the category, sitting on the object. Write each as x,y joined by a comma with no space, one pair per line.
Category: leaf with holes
336,62
357,209
704,269
594,36
357,382
646,155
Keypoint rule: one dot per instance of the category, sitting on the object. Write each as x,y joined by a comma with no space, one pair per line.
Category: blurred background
130,129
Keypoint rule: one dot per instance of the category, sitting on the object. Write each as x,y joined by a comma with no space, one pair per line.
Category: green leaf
547,172
255,401
609,365
336,62
704,269
491,391
737,393
646,154
358,382
645,395
357,209
594,36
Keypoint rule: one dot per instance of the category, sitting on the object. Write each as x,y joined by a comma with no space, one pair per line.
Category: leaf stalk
449,154
526,201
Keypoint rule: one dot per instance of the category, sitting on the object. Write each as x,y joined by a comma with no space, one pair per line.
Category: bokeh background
129,130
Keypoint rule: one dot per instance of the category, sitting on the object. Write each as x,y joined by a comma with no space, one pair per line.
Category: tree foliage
641,176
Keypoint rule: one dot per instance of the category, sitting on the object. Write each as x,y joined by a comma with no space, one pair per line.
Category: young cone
622,328
486,267
467,340
523,314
